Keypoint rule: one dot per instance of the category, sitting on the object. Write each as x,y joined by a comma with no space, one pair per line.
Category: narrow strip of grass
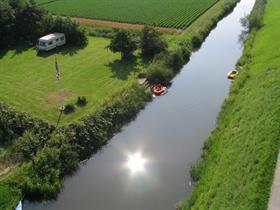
240,155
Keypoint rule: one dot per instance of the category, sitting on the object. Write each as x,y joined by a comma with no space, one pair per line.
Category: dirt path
274,201
112,24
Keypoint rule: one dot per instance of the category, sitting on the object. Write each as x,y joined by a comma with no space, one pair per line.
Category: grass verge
239,157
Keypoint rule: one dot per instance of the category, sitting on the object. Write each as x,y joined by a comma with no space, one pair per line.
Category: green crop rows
165,13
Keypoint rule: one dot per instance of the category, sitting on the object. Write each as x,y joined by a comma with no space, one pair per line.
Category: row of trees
150,42
166,62
23,20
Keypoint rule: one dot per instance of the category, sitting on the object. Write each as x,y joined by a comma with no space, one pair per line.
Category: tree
44,175
151,42
7,18
28,145
123,42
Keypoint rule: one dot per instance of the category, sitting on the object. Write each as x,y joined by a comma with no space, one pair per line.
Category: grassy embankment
239,157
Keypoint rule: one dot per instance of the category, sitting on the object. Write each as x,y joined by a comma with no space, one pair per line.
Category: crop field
164,13
28,81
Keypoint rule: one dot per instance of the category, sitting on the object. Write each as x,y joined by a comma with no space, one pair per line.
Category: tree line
24,21
165,61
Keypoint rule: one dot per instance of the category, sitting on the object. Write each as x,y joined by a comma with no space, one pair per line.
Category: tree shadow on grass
64,50
122,68
17,50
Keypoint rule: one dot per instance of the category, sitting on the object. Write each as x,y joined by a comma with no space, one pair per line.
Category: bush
81,101
69,108
196,41
13,124
43,180
28,145
159,73
151,42
68,151
196,170
75,34
176,59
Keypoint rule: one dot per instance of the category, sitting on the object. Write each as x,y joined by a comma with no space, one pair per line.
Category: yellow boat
232,74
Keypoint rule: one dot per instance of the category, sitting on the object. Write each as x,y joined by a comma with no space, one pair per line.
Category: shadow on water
122,68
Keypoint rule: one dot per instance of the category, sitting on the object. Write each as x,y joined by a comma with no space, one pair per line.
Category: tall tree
151,42
123,42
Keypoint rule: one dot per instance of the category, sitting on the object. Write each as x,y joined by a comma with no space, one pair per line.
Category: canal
145,166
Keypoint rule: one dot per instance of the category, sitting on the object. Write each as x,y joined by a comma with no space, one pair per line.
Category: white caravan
50,41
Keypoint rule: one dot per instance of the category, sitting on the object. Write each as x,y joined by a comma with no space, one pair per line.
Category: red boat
159,89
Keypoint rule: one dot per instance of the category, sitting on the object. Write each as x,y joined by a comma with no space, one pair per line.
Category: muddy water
145,166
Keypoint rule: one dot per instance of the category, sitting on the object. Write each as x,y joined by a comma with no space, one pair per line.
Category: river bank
239,157
13,184
165,138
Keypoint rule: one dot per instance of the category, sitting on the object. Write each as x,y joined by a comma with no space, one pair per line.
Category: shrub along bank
47,160
239,157
167,64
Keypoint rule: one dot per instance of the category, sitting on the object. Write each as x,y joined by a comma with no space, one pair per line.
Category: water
145,166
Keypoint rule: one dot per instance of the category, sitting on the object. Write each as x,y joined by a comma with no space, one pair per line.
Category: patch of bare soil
112,24
59,96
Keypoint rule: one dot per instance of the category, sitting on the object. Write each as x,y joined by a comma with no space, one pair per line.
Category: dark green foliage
69,108
13,124
177,58
75,34
23,20
196,42
123,42
151,43
81,101
43,181
159,73
68,151
196,170
28,145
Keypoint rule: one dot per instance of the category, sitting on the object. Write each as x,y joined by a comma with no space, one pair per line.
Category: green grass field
28,82
164,13
240,155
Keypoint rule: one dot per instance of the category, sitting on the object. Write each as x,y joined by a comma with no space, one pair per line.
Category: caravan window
57,39
50,43
43,44
62,38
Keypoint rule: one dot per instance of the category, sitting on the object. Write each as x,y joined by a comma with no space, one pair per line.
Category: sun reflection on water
136,163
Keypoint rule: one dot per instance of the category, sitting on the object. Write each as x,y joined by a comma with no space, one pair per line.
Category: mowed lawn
164,13
28,82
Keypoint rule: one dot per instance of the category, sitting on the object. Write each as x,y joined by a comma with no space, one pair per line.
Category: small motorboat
159,89
232,74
